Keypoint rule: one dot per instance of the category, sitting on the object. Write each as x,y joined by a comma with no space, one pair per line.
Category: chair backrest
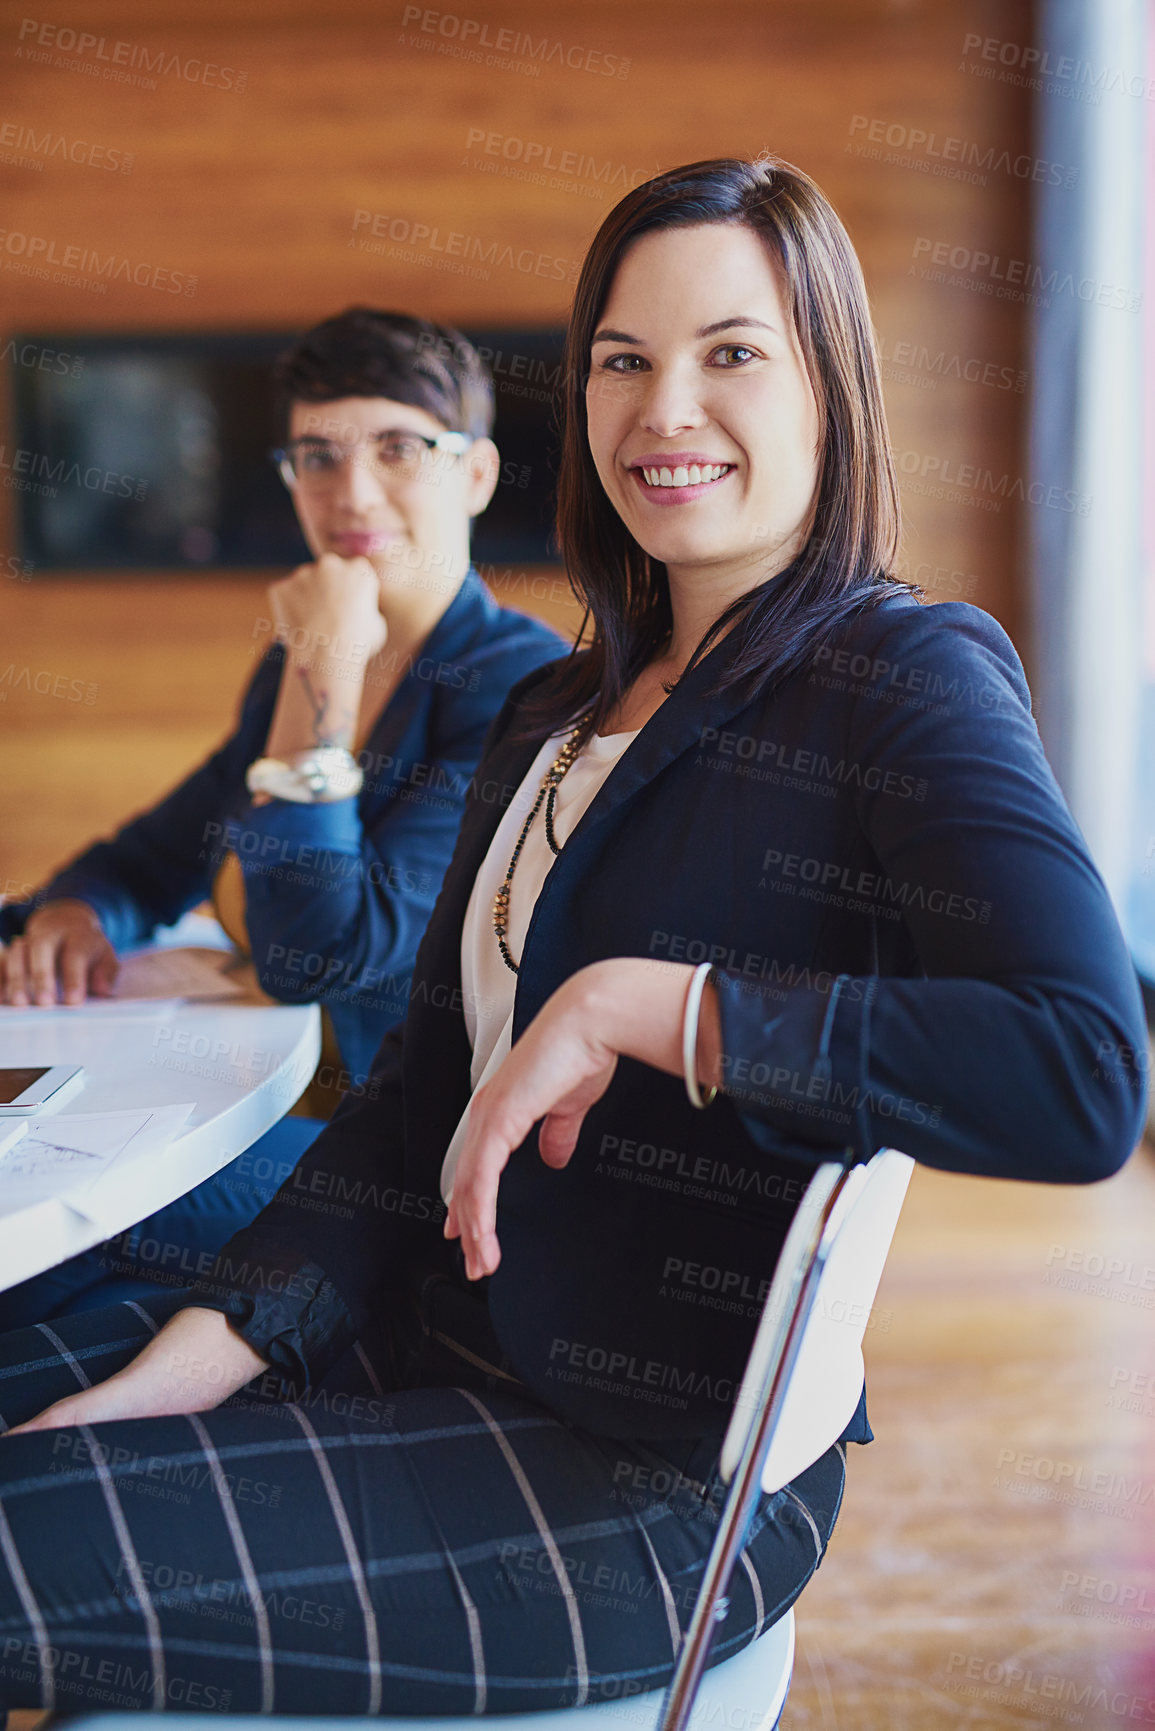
851,1246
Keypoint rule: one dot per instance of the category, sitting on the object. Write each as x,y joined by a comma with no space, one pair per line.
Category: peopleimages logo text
85,261
121,59
1021,273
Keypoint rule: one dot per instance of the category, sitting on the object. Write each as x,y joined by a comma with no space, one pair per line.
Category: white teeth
692,476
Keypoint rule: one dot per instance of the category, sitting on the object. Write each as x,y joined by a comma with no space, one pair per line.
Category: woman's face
409,518
702,422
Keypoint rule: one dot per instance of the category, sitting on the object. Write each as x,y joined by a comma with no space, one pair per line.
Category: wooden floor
994,1564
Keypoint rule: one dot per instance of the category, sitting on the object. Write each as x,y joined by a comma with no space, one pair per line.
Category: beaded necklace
547,795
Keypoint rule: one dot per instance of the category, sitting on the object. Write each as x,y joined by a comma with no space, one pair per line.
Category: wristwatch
314,777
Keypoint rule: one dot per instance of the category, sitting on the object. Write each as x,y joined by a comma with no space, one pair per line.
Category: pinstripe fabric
666,1591
37,1627
476,1643
819,1547
509,1454
143,1314
353,1559
131,1561
370,1373
416,1535
756,1589
244,1558
72,1363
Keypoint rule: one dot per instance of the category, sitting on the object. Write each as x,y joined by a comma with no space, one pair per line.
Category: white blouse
488,985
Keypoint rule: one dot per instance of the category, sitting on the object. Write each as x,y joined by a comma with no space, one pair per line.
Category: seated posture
388,656
460,1389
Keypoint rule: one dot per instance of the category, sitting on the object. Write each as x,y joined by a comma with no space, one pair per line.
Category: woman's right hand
63,949
194,1363
330,611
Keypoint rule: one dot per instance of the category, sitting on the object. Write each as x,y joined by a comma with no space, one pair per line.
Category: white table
243,1062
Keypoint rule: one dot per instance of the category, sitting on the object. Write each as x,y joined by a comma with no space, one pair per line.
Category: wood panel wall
225,150
261,163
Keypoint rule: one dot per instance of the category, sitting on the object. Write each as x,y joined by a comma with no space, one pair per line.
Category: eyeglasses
313,462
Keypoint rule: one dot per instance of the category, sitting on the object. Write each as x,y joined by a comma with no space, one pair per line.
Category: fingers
15,981
331,602
555,1072
30,970
494,1132
102,978
75,958
42,957
472,1213
340,567
549,1075
62,965
481,1250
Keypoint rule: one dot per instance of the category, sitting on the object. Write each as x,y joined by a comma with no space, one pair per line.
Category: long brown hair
847,562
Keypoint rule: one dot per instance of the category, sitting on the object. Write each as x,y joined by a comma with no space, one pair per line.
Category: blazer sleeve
160,864
336,901
1018,1052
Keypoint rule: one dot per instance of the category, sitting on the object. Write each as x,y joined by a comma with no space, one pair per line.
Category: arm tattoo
332,722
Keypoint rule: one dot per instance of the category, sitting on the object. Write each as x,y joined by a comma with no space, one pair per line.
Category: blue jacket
915,950
337,896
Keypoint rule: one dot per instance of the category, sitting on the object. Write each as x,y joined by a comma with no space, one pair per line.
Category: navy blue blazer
338,895
914,948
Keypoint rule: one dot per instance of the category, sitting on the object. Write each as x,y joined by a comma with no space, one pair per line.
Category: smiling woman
749,393
659,379
899,938
793,404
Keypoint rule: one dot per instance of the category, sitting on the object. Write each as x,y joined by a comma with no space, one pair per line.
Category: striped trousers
418,1534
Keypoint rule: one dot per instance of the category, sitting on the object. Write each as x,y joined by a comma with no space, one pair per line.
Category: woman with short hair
323,825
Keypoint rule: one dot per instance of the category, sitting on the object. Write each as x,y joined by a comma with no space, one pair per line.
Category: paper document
188,974
65,1156
12,1132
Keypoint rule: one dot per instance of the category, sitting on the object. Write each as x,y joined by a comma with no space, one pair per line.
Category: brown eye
615,364
737,354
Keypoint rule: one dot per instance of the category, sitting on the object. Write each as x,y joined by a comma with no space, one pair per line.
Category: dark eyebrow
731,324
381,433
741,320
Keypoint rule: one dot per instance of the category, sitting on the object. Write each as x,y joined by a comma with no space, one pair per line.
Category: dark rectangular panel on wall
153,452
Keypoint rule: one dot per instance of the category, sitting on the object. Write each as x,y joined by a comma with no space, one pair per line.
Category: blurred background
185,187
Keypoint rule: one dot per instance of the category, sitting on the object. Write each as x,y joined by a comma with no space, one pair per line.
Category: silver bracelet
318,776
698,982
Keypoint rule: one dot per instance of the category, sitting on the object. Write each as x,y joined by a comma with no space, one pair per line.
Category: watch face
305,781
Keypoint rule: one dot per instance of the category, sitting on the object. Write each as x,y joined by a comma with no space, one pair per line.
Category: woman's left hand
559,1068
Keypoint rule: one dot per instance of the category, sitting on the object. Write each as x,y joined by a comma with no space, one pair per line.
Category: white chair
801,1386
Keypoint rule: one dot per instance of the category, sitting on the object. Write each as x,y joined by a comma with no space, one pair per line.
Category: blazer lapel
688,720
438,1098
